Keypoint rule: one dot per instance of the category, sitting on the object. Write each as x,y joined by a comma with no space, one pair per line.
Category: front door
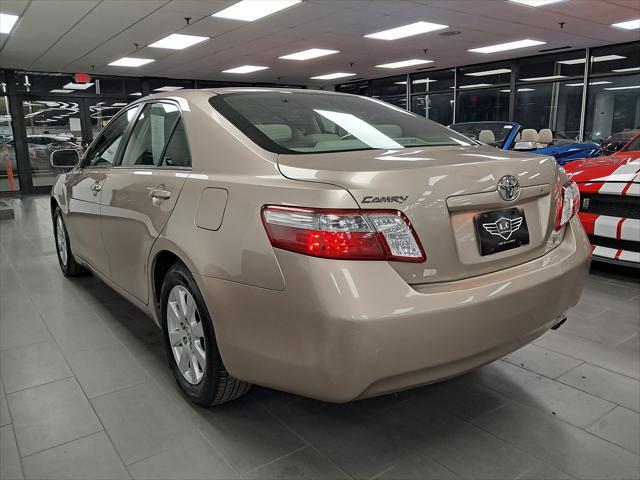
140,193
85,192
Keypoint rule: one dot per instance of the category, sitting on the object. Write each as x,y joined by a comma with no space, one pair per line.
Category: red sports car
610,203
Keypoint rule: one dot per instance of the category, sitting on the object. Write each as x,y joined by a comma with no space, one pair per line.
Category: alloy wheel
61,240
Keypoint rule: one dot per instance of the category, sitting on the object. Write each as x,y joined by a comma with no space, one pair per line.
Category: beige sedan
329,245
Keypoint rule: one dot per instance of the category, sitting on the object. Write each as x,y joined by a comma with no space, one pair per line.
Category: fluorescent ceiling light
489,72
177,41
119,104
406,31
519,90
245,69
602,58
333,76
7,21
623,88
250,10
167,89
416,82
501,47
136,94
404,63
131,62
536,3
628,25
550,77
60,90
309,54
476,85
622,70
590,83
78,86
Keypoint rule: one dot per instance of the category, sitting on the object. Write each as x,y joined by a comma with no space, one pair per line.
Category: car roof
190,93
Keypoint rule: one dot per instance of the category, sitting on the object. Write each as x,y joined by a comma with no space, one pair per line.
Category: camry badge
509,188
504,227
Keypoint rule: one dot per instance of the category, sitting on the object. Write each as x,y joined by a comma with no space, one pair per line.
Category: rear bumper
342,330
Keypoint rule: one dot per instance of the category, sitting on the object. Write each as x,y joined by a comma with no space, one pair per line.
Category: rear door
85,191
140,193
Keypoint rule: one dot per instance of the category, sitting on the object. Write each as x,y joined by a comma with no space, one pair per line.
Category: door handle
96,187
160,194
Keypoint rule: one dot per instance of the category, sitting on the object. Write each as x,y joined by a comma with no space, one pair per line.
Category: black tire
70,268
216,385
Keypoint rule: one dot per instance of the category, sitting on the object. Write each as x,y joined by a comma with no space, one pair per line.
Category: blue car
513,136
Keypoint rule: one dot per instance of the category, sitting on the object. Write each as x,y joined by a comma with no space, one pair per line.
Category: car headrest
546,136
278,132
391,131
529,135
486,136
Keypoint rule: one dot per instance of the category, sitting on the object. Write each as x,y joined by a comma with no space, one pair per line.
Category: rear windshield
490,133
292,122
633,146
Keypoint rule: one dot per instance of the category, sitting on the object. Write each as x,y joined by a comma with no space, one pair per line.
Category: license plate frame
501,230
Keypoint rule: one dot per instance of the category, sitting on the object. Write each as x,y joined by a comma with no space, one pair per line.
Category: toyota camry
324,244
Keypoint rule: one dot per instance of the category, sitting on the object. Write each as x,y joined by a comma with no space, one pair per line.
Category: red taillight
568,205
343,234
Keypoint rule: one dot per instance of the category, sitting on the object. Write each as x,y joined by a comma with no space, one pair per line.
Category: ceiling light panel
7,21
503,47
245,69
333,76
60,90
404,63
476,85
631,87
177,41
536,3
497,71
78,86
549,77
251,10
131,62
406,31
167,88
602,58
623,70
590,83
628,25
309,54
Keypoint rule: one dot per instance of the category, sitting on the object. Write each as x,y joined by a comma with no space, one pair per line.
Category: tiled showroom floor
87,394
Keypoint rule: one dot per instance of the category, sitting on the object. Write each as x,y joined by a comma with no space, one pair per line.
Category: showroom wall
545,91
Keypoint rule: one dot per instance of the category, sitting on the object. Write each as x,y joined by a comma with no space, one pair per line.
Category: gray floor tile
10,467
621,426
605,384
542,361
609,327
565,402
5,418
87,458
544,471
78,333
564,446
191,460
304,463
595,353
247,435
418,467
106,369
21,330
139,423
631,345
33,365
50,415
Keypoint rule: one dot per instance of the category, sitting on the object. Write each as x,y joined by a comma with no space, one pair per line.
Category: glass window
390,86
432,81
101,111
322,122
397,101
482,105
633,146
8,166
150,135
177,151
360,88
436,106
554,105
552,67
485,75
498,132
613,105
104,150
616,59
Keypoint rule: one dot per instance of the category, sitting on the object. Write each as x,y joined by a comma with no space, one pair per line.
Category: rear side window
103,152
177,152
151,134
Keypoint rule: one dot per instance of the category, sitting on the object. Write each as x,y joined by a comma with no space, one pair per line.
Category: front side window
103,152
296,122
150,135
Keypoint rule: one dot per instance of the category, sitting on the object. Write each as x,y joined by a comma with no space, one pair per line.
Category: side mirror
64,158
525,146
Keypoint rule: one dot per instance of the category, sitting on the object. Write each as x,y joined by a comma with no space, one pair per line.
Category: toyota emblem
509,188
